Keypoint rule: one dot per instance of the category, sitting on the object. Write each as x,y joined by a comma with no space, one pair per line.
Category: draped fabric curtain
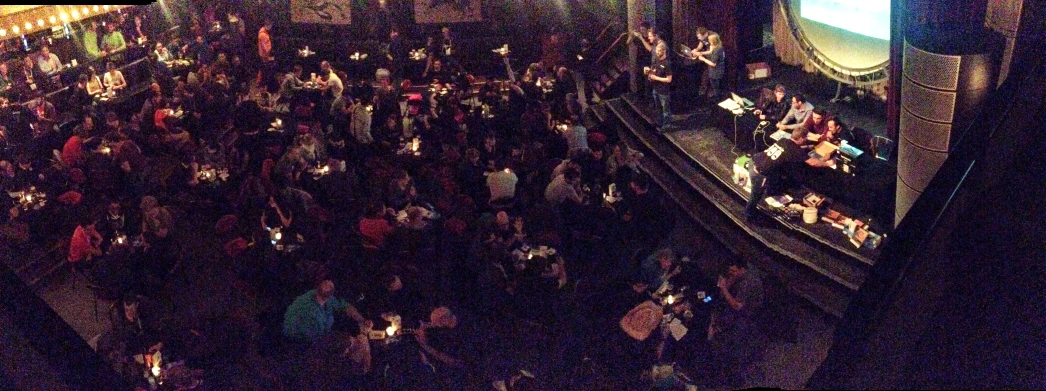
785,45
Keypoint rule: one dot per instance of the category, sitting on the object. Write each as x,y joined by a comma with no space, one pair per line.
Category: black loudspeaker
947,73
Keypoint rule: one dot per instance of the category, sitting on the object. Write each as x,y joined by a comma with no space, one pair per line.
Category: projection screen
854,34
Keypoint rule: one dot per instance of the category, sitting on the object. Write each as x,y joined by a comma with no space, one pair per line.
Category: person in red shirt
84,245
374,227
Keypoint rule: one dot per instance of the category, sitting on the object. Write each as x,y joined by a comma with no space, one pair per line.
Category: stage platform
701,154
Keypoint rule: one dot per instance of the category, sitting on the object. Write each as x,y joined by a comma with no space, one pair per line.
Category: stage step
809,271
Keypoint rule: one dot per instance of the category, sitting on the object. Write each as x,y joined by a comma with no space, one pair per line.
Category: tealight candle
156,370
279,122
391,330
29,198
278,236
671,299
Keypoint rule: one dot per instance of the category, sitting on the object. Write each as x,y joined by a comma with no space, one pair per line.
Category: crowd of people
437,212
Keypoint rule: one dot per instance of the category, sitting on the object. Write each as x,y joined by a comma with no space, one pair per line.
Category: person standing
660,75
732,331
266,76
786,150
716,61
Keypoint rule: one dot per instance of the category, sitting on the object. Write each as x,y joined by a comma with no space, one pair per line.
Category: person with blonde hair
715,58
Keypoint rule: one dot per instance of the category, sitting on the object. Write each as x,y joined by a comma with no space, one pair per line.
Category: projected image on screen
866,17
852,33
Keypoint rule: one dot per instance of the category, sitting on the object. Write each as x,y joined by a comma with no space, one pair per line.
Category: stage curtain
785,45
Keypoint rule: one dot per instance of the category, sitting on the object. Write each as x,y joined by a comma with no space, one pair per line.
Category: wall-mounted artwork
321,11
447,11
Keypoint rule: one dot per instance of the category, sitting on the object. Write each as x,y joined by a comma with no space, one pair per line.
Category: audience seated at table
497,213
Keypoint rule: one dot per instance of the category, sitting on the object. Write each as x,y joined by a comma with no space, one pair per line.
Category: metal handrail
611,48
604,32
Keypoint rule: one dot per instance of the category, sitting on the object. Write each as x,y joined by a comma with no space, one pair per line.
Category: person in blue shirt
311,315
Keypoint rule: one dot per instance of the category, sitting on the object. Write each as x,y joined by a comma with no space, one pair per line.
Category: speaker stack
947,73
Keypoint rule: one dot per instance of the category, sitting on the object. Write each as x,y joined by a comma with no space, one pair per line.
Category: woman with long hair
716,61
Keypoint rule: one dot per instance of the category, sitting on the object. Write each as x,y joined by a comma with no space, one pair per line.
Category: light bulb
28,26
96,8
64,16
84,11
52,19
3,32
40,22
15,29
76,14
105,7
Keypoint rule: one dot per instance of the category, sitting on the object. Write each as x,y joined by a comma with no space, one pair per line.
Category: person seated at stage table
835,132
48,62
772,105
768,162
113,79
817,123
797,115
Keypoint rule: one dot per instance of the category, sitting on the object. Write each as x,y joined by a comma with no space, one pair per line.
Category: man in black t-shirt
772,159
660,75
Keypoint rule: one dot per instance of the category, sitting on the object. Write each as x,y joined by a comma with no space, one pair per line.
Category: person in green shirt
113,40
91,41
311,315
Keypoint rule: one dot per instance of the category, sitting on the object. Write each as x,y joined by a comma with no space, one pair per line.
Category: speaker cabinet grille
906,197
937,71
919,165
933,105
933,136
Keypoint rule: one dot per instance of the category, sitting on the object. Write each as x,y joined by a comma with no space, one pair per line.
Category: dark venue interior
523,195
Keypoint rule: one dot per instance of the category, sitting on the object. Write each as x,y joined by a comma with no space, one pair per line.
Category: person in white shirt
48,62
114,78
565,187
333,83
502,184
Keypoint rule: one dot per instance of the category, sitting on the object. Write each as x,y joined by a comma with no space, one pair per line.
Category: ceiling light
95,8
52,19
76,14
28,26
84,11
3,33
64,16
15,29
105,7
40,22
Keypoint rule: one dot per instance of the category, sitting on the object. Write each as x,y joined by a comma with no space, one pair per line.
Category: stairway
819,274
